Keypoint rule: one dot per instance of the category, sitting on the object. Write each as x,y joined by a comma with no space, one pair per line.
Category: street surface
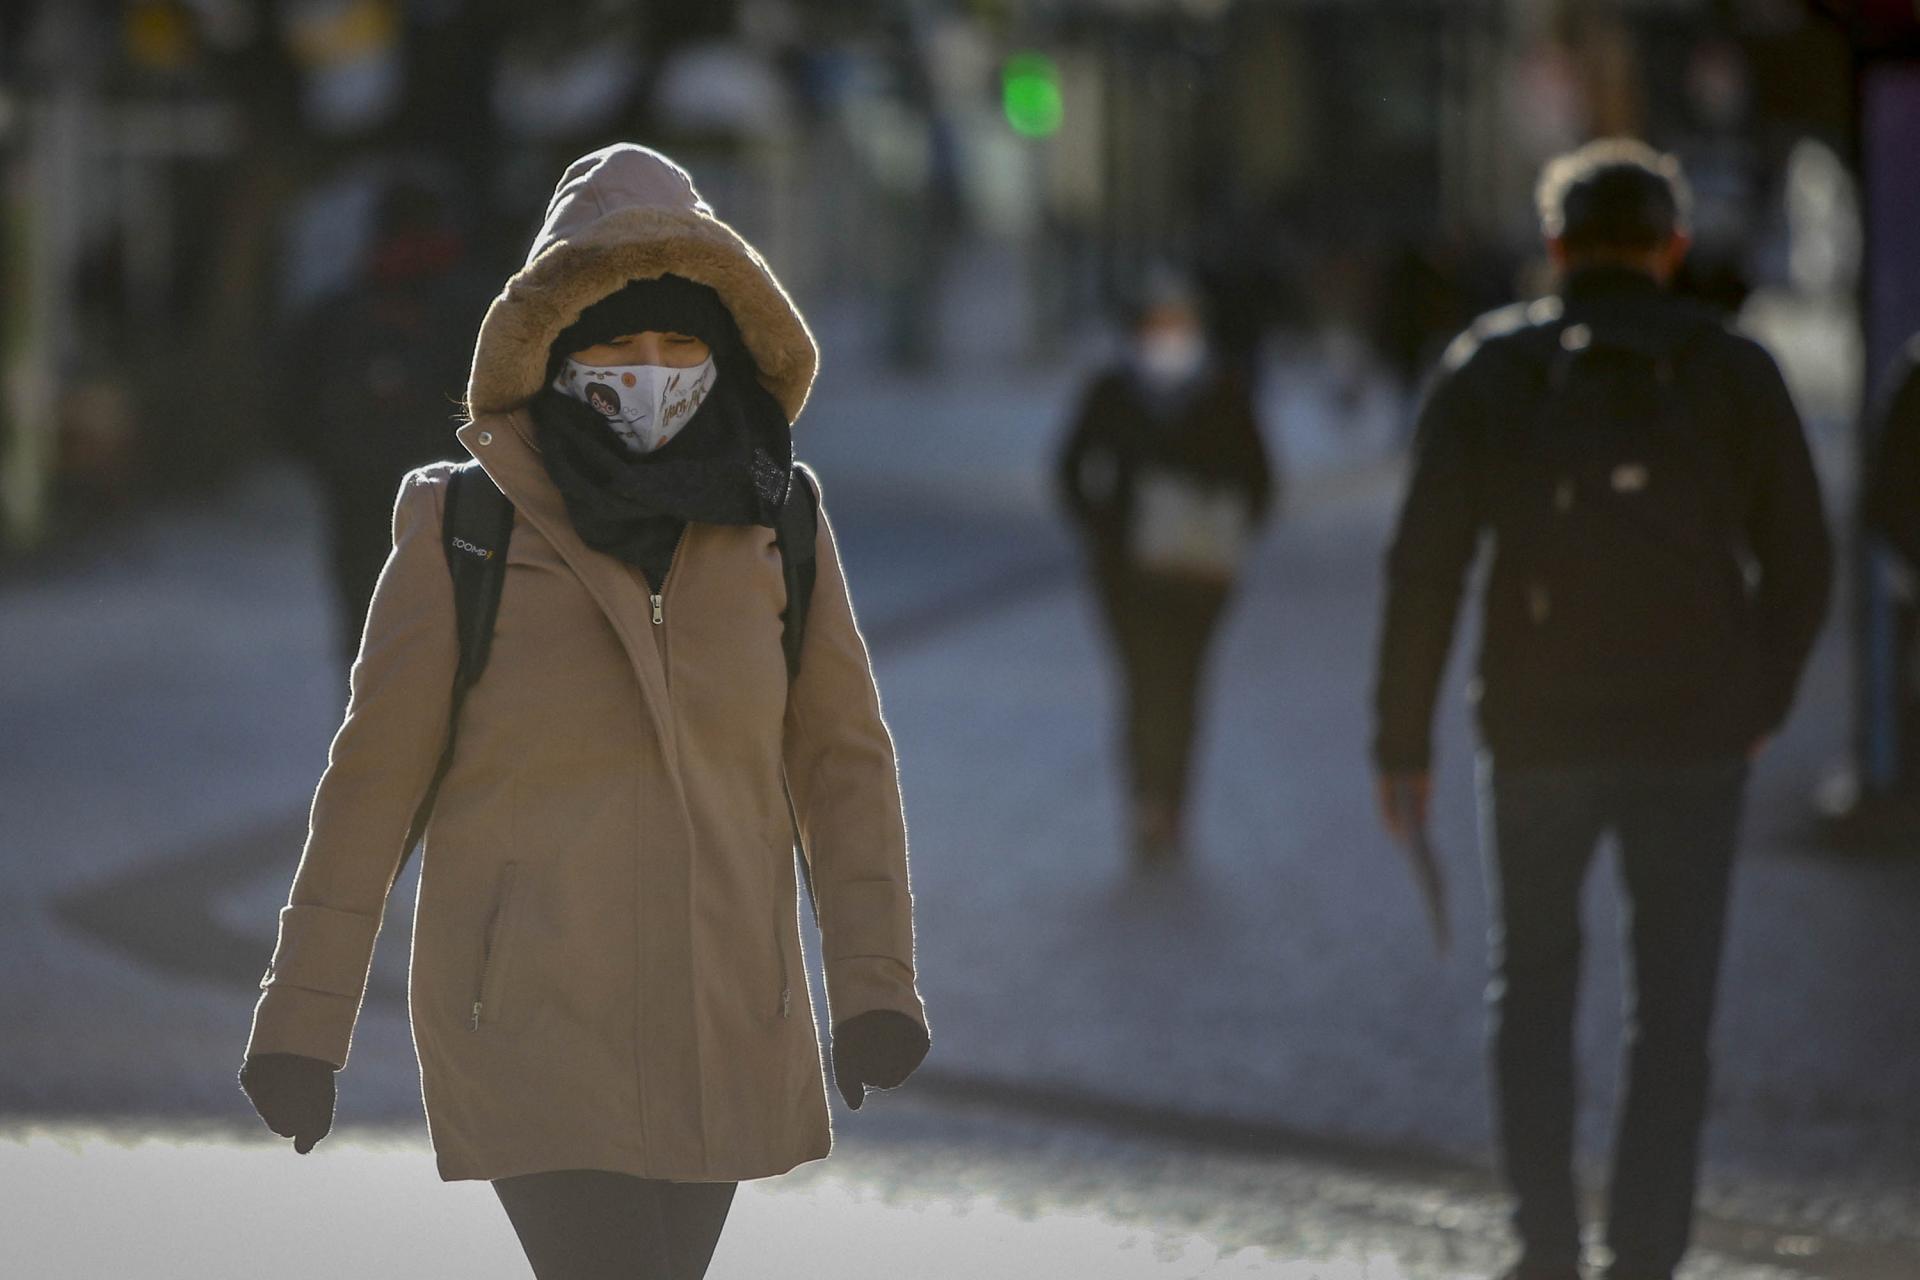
1253,1065
916,1188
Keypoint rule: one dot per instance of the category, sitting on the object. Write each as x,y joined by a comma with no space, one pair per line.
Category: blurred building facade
939,179
186,186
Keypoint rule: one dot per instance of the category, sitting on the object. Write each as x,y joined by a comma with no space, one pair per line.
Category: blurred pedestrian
1892,505
608,994
1660,567
379,370
1165,474
1891,510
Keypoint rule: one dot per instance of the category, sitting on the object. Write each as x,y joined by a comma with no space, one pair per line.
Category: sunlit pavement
921,1192
166,706
366,1208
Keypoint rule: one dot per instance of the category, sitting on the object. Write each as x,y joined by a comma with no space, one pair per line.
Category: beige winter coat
607,970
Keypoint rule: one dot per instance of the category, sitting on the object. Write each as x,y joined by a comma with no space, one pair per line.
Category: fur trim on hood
628,213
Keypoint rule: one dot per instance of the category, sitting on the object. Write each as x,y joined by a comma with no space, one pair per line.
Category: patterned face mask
1170,358
645,404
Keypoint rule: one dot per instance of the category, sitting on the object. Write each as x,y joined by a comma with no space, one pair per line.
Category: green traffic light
1030,94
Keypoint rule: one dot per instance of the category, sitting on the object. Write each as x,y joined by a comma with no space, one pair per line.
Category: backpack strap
474,532
796,535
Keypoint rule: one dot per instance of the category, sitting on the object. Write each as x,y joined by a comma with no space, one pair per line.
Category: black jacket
1471,471
1892,505
1209,435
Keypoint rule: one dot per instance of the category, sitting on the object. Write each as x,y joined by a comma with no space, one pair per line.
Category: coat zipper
786,978
659,598
490,948
794,849
780,949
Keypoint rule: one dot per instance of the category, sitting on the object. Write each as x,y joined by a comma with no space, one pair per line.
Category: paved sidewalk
167,704
915,1189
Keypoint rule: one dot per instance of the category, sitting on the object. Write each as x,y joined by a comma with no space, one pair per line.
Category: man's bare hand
1404,800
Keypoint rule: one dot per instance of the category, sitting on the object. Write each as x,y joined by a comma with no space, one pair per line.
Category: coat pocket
781,923
495,946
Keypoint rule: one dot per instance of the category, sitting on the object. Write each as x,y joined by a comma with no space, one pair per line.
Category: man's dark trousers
1676,826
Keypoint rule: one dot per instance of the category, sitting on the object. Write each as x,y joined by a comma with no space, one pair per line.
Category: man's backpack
1623,581
475,531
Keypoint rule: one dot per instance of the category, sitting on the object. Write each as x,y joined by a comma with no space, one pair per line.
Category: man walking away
1660,567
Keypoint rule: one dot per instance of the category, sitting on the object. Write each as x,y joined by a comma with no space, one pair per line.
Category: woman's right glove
293,1094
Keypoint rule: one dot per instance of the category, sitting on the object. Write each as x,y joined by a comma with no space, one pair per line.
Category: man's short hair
1614,194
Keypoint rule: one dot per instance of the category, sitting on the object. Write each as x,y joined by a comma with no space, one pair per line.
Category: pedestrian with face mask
608,995
380,367
1660,567
1166,477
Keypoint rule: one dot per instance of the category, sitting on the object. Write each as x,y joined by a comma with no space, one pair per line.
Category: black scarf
731,464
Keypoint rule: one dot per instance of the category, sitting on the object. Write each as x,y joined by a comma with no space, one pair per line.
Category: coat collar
503,443
1608,280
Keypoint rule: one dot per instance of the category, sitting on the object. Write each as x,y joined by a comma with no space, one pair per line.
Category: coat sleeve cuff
322,949
312,988
313,1024
863,984
872,917
867,940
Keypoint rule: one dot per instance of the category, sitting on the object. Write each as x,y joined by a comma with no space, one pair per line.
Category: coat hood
622,213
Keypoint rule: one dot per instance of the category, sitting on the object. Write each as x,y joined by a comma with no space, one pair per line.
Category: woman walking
1166,476
607,988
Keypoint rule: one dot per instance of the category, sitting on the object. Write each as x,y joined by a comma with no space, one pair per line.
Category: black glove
293,1094
879,1048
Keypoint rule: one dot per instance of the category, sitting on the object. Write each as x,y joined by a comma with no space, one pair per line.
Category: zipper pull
658,615
786,1002
474,1023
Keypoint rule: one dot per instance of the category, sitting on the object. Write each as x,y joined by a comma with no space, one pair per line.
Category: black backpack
476,528
1623,579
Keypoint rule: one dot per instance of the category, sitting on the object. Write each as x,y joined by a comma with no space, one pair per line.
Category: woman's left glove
880,1048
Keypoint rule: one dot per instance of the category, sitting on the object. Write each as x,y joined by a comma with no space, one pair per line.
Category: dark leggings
587,1224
